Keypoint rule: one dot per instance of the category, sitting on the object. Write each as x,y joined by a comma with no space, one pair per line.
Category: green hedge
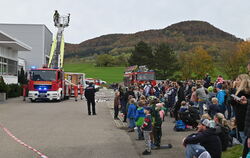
3,86
14,90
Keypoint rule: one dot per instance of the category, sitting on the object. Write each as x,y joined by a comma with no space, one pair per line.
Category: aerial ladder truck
50,82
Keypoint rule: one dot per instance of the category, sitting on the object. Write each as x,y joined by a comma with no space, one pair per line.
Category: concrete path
62,130
169,137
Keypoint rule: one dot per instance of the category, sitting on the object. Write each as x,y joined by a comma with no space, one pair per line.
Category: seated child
214,107
184,106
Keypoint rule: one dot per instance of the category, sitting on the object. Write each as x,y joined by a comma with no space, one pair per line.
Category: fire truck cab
46,83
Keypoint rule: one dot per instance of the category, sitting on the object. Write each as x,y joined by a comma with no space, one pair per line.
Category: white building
37,36
9,48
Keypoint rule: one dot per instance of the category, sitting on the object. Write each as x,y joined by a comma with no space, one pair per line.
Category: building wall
36,36
8,65
48,37
8,53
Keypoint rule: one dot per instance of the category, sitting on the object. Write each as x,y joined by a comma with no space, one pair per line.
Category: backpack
179,126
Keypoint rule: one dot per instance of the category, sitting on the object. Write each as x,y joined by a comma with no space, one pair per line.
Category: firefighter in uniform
90,96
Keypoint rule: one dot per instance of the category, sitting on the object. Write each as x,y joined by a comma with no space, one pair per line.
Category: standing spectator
131,114
139,118
147,129
128,93
244,100
90,96
170,95
117,104
202,97
221,94
207,81
219,80
188,89
231,90
212,91
180,97
203,143
147,90
243,89
193,99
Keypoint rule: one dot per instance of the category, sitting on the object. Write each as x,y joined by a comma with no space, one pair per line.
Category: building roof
39,25
10,42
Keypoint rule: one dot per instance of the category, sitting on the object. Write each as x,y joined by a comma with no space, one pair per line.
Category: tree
235,63
104,60
196,63
142,55
22,77
165,61
185,63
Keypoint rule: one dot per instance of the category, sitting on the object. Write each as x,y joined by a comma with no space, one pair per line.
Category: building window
8,67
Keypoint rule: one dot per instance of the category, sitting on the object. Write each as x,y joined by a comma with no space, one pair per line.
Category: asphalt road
63,130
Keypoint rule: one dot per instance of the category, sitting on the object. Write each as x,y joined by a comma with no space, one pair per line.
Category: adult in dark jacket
180,98
90,96
243,89
222,130
207,81
126,96
244,100
202,142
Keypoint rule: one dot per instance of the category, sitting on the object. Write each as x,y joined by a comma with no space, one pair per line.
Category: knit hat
210,88
152,97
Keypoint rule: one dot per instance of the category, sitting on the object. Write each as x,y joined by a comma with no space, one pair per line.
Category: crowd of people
219,111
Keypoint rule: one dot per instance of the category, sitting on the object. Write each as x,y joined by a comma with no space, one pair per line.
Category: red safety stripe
22,143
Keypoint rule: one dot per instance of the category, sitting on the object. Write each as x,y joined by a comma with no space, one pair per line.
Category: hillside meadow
108,74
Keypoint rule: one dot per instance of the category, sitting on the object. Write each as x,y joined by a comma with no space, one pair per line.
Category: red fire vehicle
46,83
139,75
49,83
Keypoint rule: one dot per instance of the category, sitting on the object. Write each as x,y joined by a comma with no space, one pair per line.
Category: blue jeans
243,137
131,123
140,133
194,150
201,103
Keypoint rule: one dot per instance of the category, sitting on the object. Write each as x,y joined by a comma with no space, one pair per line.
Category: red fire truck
138,75
50,83
46,83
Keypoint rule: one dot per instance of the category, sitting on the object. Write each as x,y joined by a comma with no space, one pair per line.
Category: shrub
14,90
3,86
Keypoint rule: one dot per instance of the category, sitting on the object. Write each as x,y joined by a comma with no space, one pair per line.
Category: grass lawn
234,152
108,74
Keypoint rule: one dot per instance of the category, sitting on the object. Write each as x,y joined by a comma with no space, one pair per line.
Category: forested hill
182,36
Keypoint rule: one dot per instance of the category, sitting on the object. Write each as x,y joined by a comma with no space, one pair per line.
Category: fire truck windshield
41,75
145,76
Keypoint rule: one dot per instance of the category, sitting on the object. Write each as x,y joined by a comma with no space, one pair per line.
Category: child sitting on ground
184,106
147,129
214,107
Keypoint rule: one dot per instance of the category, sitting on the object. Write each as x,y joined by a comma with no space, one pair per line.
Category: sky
94,18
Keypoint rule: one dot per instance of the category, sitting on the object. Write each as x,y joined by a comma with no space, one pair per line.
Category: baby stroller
190,116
